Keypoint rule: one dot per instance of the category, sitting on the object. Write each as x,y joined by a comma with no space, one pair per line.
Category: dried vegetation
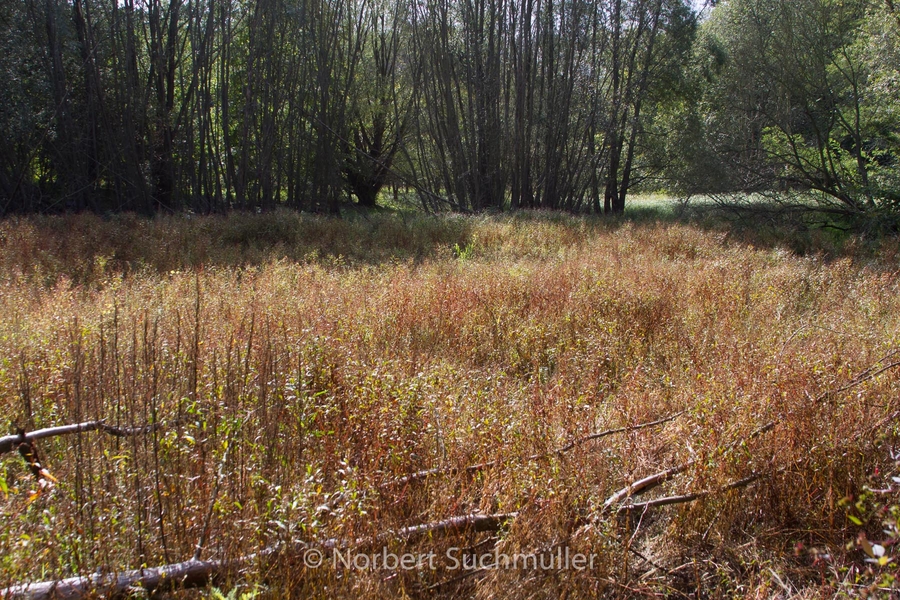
301,369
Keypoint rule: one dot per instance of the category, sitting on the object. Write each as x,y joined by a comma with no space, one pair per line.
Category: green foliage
236,593
876,515
479,105
464,253
795,97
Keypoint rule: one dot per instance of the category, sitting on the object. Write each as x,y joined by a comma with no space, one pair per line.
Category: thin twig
471,469
608,432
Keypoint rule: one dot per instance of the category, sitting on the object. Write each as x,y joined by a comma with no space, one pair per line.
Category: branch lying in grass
9,442
197,573
188,574
653,480
870,373
477,523
683,499
608,432
471,469
648,483
643,506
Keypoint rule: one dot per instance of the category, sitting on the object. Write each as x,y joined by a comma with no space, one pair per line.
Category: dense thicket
209,105
797,96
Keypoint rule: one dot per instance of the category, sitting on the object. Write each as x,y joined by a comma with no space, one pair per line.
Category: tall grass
312,362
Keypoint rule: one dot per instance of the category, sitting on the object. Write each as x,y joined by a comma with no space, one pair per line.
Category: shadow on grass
759,225
769,224
87,248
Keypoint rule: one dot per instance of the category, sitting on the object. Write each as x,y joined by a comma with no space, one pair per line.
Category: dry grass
330,358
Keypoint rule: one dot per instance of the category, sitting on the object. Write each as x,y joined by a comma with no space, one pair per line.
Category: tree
210,105
649,41
382,104
793,105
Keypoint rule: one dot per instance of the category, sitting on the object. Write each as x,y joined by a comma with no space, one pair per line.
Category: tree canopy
211,105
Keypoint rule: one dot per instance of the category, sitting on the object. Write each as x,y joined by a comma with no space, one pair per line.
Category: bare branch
645,484
9,442
198,573
641,506
476,522
652,481
608,432
868,374
192,573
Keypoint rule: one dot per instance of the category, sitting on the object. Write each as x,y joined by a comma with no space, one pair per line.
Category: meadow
322,383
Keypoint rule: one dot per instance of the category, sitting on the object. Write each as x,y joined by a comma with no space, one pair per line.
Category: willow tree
383,98
803,99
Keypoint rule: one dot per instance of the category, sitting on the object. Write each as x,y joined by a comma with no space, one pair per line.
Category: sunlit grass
330,358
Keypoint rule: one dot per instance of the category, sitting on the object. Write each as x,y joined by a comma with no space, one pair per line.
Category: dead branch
652,481
643,506
868,374
683,499
608,432
647,483
198,573
471,469
476,522
8,443
189,574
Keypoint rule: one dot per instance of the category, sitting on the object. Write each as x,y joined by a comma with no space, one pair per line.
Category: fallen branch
643,506
475,522
608,432
198,573
867,374
471,469
647,483
651,481
8,443
669,500
188,574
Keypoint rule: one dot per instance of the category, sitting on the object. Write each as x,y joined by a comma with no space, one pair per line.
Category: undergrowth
300,367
